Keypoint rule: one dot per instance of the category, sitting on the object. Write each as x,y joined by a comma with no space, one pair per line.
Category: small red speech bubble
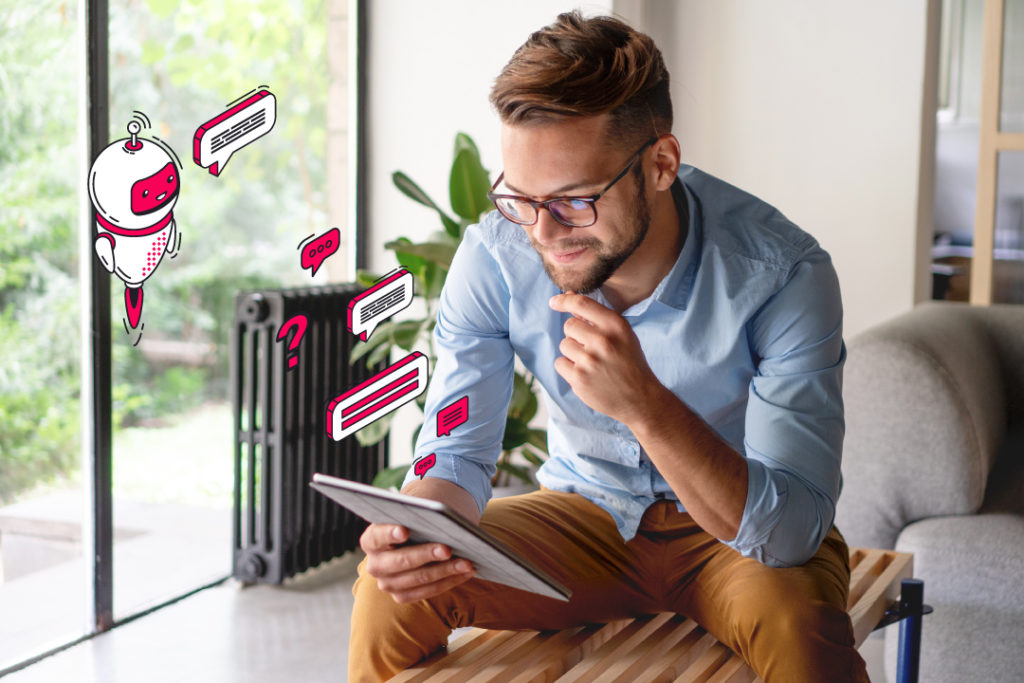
450,417
423,465
316,252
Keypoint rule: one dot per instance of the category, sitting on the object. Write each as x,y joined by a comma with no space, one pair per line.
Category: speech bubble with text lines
388,296
223,135
451,416
376,397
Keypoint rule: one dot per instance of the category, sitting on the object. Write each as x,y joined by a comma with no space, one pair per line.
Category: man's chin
569,279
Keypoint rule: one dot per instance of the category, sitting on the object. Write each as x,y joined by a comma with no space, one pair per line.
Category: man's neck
638,277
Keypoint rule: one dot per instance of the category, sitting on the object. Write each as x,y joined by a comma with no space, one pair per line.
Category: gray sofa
933,464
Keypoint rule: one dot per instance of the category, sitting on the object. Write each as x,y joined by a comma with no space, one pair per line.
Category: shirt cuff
471,476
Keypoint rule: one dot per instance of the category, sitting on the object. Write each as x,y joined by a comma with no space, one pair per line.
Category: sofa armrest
925,414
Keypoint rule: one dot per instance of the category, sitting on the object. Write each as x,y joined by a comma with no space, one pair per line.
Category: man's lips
567,256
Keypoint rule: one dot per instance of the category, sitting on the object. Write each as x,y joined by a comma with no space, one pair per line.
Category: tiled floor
229,634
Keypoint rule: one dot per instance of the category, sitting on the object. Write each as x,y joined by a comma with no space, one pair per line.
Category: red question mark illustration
298,322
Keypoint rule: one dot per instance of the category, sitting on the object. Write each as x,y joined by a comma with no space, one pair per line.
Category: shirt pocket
593,443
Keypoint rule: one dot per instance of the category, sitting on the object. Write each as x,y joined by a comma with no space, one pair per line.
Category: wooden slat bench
665,647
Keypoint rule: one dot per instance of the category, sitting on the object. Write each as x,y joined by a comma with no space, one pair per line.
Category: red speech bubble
316,252
450,417
423,465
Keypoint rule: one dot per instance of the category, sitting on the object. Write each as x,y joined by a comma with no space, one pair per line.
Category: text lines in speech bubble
223,135
390,295
451,416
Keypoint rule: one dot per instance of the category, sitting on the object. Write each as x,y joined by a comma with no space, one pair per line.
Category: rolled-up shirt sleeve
794,422
474,362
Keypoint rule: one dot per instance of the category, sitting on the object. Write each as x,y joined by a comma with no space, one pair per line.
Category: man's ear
666,161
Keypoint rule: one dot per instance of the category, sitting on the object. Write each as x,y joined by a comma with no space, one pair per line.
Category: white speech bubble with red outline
223,135
376,397
390,295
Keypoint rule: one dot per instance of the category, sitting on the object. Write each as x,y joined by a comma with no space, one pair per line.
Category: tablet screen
429,521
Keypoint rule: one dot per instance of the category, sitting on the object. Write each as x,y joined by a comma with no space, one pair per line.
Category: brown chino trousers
789,624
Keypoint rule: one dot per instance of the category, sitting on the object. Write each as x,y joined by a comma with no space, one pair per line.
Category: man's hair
586,67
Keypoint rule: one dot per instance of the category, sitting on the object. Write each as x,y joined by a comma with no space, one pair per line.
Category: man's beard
609,258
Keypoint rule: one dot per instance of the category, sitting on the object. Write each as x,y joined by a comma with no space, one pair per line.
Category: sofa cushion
971,567
925,414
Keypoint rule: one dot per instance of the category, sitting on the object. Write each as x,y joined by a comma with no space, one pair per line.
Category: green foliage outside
429,263
181,63
39,310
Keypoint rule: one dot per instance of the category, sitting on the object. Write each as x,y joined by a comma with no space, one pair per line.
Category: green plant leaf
382,335
379,354
406,333
531,456
433,280
523,405
367,279
516,433
538,438
391,477
411,262
468,185
416,433
375,431
450,226
435,252
410,189
463,141
517,471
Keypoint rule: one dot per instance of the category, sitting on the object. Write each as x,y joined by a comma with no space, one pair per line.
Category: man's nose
547,230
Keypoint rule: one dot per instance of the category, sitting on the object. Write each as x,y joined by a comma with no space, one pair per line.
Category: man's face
568,158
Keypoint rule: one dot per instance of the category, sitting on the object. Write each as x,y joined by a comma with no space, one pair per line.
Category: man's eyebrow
557,192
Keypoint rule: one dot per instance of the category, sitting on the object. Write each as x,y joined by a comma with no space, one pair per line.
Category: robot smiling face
134,186
133,189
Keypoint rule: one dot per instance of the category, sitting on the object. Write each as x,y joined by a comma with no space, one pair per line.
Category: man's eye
575,204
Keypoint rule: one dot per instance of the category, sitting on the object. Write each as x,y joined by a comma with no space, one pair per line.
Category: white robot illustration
133,185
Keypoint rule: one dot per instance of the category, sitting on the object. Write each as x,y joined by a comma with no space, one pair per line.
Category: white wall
817,108
431,67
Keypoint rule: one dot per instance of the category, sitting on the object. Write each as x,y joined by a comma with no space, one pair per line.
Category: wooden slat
707,665
622,647
556,656
692,648
664,647
870,607
988,132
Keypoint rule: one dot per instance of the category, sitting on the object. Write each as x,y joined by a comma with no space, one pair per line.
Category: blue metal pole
911,605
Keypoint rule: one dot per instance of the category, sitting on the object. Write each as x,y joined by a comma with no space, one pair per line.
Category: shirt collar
674,288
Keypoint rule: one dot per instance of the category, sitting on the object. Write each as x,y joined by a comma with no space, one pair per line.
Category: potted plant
428,262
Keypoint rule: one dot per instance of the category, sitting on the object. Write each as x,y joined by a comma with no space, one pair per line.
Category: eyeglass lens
571,212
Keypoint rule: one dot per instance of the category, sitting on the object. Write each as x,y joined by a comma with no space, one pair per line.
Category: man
688,340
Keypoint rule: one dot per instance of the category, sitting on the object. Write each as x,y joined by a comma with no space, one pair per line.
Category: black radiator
280,390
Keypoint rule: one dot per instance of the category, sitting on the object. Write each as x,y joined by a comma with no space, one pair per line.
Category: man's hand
413,572
602,360
416,572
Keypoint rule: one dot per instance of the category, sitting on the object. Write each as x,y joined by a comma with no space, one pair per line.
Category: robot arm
173,238
104,246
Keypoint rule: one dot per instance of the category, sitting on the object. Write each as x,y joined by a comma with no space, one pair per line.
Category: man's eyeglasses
572,212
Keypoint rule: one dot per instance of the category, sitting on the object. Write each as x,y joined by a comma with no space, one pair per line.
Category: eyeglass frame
538,205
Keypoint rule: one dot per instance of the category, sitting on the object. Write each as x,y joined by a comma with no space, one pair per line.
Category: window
171,67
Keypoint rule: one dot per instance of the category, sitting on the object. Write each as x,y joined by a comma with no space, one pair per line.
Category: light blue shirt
746,329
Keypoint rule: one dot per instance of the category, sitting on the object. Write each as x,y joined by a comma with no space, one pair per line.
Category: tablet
430,521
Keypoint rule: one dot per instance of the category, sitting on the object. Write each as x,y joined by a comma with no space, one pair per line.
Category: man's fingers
583,307
379,537
424,576
430,590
